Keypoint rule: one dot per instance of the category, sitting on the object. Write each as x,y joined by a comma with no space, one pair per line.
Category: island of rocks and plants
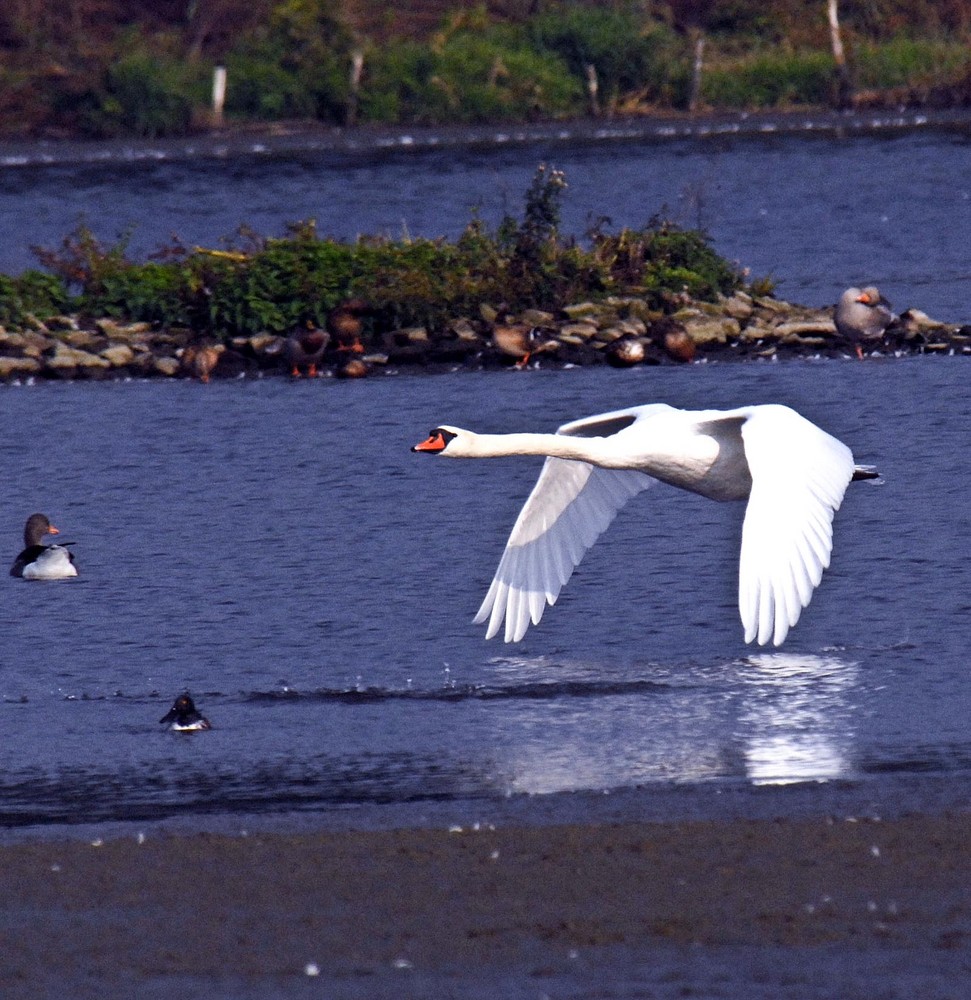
520,295
517,296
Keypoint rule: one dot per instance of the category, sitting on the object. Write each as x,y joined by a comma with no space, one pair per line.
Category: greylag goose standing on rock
43,562
861,315
792,473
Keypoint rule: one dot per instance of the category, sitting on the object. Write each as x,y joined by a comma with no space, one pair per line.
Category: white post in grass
593,90
218,94
697,68
354,92
844,85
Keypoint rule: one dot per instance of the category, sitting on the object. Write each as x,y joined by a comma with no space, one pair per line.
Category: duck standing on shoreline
626,351
199,360
521,341
345,326
304,349
43,562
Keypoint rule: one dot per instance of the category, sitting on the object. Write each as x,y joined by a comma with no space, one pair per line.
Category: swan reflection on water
773,718
795,722
595,729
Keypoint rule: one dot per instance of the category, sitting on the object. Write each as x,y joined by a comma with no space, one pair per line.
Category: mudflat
600,909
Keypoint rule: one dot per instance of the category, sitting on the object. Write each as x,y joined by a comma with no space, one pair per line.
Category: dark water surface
818,210
276,549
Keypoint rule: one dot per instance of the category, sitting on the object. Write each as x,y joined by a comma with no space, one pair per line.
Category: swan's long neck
503,445
690,461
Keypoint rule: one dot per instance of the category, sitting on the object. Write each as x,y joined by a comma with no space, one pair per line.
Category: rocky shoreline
622,331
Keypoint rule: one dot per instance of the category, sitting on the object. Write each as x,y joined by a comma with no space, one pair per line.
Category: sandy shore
748,908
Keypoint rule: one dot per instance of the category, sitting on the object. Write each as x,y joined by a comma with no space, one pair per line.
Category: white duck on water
792,473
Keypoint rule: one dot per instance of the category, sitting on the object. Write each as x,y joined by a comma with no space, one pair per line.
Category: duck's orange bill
434,443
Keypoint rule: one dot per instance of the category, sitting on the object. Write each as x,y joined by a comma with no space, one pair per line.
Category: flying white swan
793,474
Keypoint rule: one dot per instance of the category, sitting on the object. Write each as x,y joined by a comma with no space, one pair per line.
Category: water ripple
470,692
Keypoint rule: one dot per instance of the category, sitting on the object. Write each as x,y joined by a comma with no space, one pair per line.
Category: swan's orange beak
53,531
434,443
864,298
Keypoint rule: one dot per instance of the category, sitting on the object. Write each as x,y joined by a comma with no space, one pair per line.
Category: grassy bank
111,69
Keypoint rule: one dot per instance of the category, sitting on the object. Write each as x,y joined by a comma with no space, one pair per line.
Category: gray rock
166,366
67,357
18,366
739,306
464,330
577,332
709,329
118,355
582,310
537,317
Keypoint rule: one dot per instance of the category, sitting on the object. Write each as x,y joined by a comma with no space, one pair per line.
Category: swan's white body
793,474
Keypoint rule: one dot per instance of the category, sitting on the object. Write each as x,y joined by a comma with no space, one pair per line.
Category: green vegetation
911,62
110,68
771,80
276,284
32,293
292,65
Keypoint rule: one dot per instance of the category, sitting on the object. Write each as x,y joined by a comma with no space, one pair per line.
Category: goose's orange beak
434,443
51,530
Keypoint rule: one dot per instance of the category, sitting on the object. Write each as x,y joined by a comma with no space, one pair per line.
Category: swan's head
444,441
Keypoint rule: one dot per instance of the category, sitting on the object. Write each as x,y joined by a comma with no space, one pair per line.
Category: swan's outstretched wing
799,474
571,505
